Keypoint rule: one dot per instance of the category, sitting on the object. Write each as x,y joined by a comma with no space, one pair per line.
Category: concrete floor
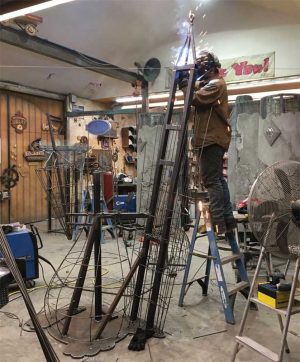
187,328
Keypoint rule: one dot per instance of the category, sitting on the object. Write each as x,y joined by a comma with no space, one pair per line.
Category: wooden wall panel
4,205
28,199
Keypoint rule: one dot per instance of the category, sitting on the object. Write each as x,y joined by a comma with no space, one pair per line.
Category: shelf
283,311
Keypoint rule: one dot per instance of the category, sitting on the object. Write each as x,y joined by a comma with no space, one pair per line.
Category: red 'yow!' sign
248,67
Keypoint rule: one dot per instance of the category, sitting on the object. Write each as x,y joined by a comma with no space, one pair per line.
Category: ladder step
166,163
230,258
106,227
224,248
251,344
239,286
203,255
173,127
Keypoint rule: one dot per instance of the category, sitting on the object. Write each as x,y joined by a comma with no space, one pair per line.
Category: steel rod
81,276
97,246
9,258
153,204
118,296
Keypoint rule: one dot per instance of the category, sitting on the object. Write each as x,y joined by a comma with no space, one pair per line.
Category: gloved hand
183,83
183,79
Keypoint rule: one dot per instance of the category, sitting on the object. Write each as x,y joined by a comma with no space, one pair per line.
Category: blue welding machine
24,247
125,203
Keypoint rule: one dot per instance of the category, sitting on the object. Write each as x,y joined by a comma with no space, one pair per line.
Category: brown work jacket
211,114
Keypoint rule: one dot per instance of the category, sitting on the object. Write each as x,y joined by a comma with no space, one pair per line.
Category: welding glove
183,79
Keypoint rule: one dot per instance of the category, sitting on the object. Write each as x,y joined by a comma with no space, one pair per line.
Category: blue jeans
211,168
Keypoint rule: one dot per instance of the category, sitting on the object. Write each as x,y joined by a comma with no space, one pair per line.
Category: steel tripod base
78,341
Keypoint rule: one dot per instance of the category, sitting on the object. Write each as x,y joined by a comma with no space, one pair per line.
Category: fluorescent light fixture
152,105
164,95
132,106
128,99
264,82
260,95
231,86
131,99
32,9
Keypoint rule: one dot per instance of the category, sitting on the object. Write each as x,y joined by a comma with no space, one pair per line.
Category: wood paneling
4,205
28,200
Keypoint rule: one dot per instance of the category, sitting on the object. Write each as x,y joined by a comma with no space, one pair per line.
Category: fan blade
284,181
264,210
282,236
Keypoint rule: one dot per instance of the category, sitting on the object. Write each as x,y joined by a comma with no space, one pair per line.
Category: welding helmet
206,61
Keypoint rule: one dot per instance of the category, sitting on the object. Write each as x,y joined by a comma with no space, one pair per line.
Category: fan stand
291,309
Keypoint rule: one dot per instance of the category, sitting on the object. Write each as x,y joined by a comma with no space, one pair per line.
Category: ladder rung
106,227
229,258
203,255
166,163
173,127
239,286
251,344
224,248
126,228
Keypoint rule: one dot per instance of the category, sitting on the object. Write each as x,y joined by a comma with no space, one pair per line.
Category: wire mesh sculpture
91,279
158,253
77,279
62,180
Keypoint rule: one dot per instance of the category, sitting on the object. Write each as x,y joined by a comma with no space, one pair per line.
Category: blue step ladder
87,196
227,295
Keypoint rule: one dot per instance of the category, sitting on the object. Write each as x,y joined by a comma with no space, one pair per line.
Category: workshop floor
196,332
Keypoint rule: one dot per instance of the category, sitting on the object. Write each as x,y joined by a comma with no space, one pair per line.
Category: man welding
212,134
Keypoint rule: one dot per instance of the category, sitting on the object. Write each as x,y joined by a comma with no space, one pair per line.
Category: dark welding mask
206,62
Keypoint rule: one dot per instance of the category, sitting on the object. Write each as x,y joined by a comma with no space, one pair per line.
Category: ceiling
122,32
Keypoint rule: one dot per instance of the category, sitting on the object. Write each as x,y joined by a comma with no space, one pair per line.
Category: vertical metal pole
97,246
49,178
117,298
289,309
189,259
76,191
81,276
246,310
145,97
287,349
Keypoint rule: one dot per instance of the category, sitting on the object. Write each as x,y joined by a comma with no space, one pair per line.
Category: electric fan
274,208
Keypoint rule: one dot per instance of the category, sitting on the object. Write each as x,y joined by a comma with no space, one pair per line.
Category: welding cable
16,317
12,316
55,270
